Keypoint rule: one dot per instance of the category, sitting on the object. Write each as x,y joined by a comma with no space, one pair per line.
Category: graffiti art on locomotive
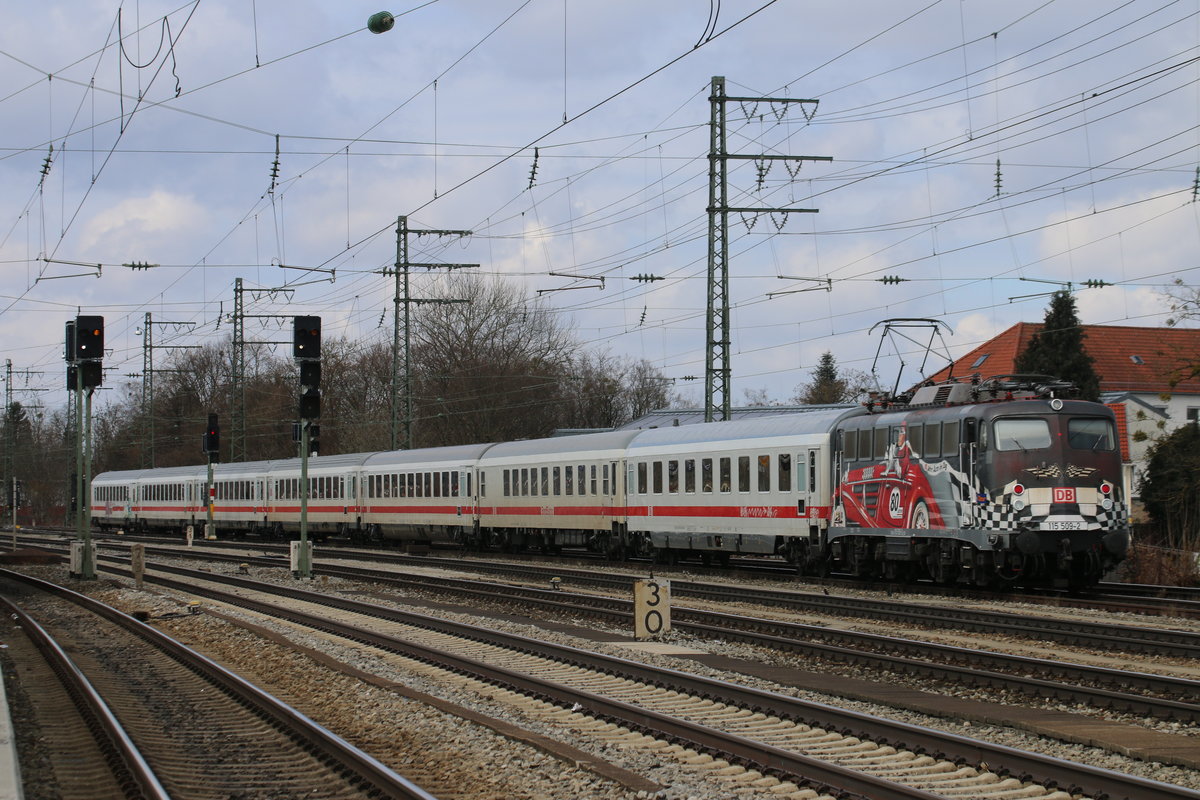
952,487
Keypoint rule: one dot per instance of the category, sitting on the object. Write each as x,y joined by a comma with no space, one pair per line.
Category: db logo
1063,494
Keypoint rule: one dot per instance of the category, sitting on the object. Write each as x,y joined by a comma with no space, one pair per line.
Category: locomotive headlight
1018,504
1106,504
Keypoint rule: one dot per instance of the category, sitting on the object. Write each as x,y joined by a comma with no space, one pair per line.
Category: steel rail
886,652
915,655
380,777
1032,767
126,761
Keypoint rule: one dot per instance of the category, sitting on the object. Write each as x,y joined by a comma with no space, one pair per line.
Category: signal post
306,349
84,353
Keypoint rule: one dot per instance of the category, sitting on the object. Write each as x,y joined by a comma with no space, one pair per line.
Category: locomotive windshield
1022,433
1090,433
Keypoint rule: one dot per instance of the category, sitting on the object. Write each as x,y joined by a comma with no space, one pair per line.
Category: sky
981,155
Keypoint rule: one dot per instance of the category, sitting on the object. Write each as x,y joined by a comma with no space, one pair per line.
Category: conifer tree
826,385
1058,349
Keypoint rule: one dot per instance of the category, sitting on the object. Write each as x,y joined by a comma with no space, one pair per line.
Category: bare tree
488,367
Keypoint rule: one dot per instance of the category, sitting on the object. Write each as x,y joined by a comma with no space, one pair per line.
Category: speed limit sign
651,608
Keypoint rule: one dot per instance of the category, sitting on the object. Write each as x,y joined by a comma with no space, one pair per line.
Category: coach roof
819,420
562,445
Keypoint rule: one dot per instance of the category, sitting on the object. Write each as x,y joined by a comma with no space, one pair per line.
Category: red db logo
1063,494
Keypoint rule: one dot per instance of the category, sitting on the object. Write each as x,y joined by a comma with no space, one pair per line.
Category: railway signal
211,442
306,339
306,349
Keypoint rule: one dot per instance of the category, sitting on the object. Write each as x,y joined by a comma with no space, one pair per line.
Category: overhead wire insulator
380,22
46,164
892,279
644,278
275,167
1096,283
533,169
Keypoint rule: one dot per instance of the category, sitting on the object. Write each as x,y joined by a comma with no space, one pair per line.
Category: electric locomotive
985,483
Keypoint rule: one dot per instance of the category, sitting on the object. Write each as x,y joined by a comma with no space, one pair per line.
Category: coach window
482,483
785,472
434,478
656,476
524,482
594,486
642,472
581,475
726,474
506,485
706,475
801,473
556,473
545,481
812,470
689,476
950,438
743,473
604,479
429,476
673,477
849,445
568,480
764,473
454,484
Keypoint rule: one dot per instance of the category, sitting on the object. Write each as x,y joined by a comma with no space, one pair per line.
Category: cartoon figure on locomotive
1025,490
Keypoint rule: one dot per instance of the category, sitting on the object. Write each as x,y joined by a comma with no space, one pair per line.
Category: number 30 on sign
651,608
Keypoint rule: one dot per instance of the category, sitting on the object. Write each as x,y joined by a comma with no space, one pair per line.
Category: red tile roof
1122,429
1127,359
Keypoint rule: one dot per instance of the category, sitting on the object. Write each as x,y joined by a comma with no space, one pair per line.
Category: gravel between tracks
494,767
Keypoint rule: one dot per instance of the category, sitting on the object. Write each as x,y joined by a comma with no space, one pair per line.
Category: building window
979,361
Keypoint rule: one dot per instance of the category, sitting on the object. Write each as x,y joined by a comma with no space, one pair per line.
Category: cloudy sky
985,153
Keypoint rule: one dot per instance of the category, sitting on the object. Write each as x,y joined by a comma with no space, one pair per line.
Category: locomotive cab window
1090,433
880,443
1021,433
950,439
849,446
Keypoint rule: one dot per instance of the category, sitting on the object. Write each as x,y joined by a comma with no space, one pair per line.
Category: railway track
181,725
919,748
1139,693
1073,631
1161,696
